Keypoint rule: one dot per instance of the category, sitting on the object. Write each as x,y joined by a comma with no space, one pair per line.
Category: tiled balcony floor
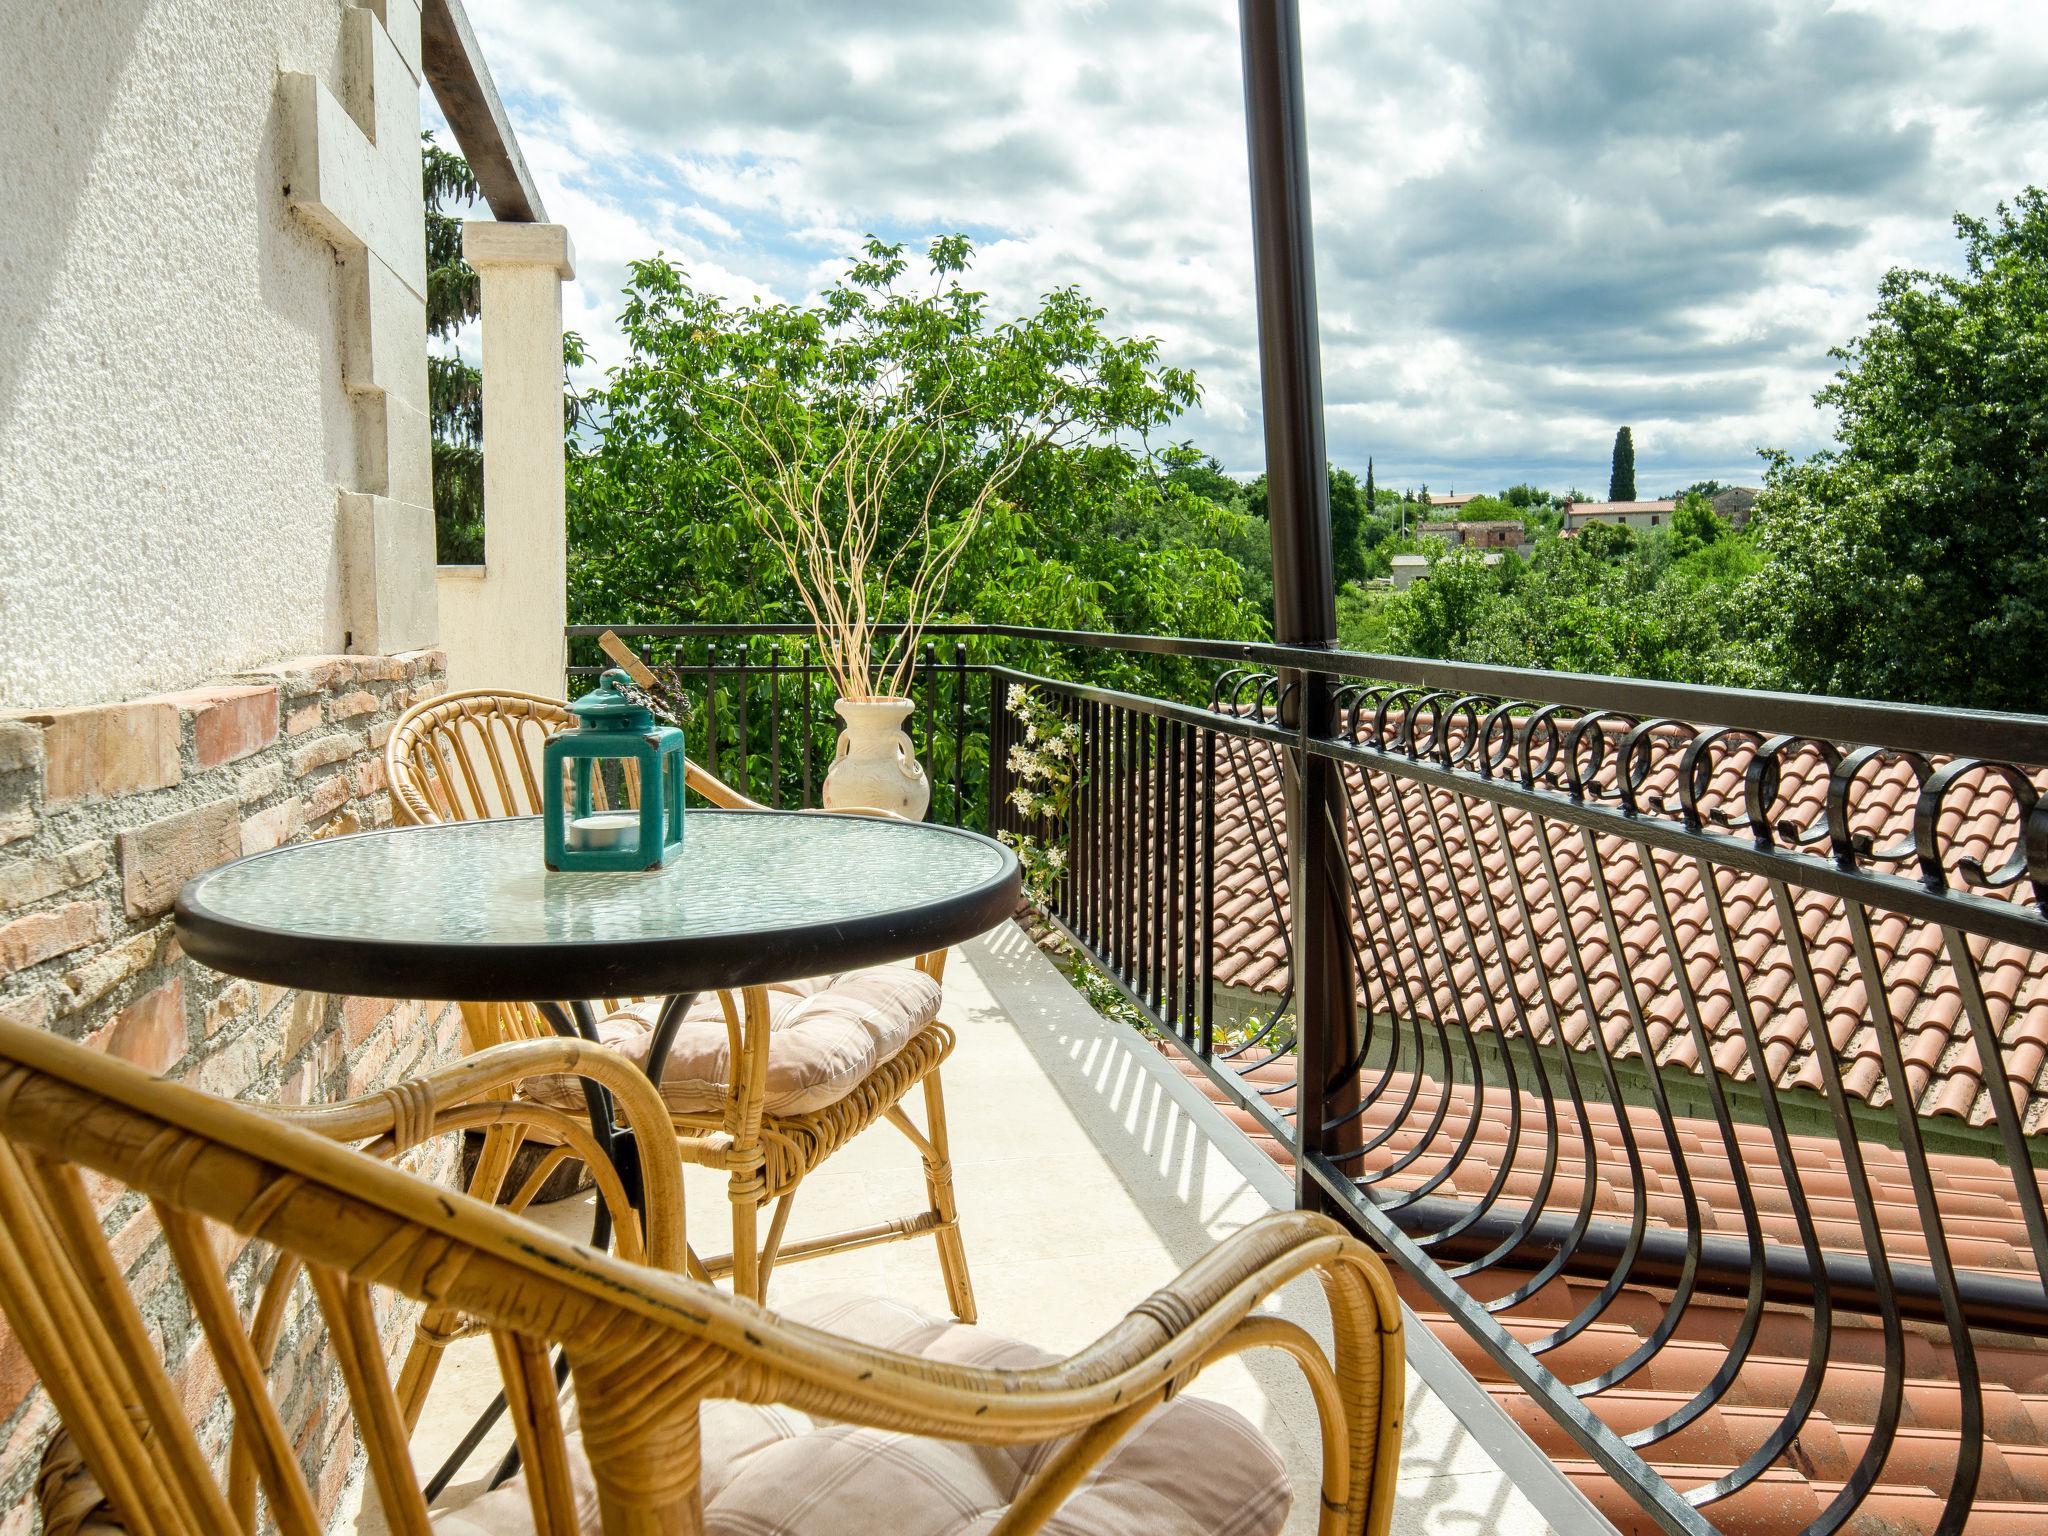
1084,1184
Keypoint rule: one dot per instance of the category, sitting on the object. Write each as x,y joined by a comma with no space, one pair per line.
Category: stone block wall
105,811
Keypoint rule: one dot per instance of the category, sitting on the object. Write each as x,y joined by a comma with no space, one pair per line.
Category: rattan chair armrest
414,1109
716,790
1209,1312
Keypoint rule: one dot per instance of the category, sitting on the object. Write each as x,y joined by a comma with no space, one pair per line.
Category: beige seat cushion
826,1035
1191,1468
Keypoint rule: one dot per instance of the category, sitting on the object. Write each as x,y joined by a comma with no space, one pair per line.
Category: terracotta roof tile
1440,922
1984,1229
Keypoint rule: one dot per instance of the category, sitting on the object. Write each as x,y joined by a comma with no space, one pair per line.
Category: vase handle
906,757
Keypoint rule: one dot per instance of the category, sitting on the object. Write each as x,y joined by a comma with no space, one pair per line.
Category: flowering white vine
1043,763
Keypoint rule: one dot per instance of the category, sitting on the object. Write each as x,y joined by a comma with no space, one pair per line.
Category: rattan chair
465,756
652,1355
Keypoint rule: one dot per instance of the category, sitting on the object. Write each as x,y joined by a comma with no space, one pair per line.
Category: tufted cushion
1191,1468
826,1035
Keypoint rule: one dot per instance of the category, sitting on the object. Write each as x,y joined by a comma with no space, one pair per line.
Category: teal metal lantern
612,726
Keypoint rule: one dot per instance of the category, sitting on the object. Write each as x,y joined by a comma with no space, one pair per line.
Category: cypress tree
1621,484
1372,495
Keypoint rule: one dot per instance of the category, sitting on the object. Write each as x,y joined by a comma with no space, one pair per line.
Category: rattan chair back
468,756
128,1457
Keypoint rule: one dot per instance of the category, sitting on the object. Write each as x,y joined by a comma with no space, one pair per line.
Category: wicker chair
655,1358
464,756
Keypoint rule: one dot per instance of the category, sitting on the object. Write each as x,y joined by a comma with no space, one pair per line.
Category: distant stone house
1498,533
1501,533
1734,505
1631,514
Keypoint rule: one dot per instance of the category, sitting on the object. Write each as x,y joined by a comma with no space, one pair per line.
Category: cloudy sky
1534,222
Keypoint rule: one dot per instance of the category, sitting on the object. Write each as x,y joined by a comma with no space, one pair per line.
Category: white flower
1021,798
1057,746
1018,697
1056,857
1031,732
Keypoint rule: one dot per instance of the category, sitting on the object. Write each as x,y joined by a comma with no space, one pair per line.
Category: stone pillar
501,626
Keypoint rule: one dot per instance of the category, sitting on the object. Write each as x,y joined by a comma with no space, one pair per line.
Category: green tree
1910,561
1489,509
1621,479
454,388
1695,524
1077,539
1352,530
1372,495
1187,466
1441,612
1347,526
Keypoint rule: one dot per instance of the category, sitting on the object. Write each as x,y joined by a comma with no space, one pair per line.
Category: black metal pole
1304,572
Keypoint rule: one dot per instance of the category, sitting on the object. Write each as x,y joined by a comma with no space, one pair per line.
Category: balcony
1683,1049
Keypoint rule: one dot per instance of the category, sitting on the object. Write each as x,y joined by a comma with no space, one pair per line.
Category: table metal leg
578,1022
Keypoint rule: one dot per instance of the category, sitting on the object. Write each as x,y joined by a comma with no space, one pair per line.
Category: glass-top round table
468,912
465,911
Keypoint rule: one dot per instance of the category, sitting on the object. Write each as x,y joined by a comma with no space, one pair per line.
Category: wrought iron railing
1691,1047
762,700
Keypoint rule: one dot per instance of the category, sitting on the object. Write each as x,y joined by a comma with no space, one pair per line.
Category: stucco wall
176,420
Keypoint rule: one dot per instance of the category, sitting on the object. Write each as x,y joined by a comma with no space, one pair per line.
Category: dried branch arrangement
830,483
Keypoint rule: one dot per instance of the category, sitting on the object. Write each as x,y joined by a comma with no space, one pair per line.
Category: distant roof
1454,501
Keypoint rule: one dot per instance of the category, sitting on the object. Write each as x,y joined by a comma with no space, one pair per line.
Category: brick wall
104,813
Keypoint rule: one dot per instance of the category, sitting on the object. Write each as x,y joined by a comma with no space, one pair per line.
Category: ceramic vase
876,768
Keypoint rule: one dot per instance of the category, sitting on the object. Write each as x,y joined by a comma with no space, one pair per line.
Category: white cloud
1534,223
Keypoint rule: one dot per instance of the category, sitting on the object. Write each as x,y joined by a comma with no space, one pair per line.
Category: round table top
466,911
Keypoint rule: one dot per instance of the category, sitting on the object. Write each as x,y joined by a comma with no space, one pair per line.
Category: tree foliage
1347,525
1092,529
1664,603
1910,561
455,399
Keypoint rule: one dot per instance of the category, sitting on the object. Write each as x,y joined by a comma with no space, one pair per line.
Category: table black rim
594,968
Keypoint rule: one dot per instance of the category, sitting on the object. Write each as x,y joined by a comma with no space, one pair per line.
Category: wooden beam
628,659
462,86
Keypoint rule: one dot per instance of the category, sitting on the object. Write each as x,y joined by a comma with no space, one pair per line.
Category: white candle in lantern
605,829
